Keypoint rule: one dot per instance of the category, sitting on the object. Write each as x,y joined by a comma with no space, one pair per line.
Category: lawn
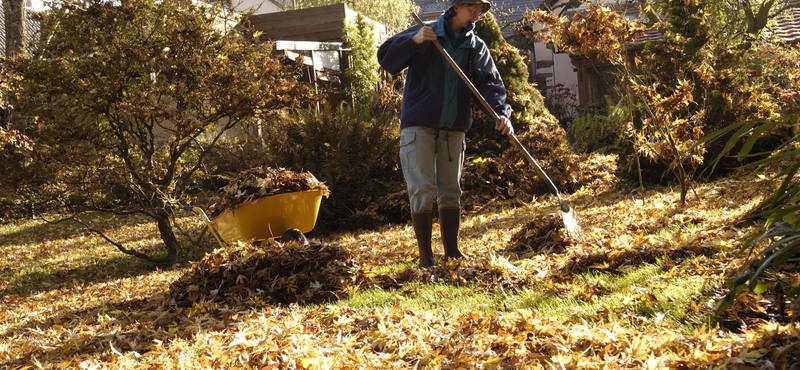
635,291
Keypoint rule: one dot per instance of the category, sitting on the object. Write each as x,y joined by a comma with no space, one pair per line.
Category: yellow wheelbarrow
265,218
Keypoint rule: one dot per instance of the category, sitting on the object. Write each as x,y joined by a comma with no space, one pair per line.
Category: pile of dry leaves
260,182
542,235
271,273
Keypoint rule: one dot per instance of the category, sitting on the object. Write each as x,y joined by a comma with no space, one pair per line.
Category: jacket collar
444,21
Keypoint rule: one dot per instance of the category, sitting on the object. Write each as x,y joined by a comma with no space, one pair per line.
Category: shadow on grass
85,262
61,228
40,233
97,271
27,279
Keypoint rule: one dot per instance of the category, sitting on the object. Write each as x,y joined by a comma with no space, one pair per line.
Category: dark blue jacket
434,95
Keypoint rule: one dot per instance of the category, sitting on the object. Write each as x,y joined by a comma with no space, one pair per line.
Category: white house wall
259,6
557,68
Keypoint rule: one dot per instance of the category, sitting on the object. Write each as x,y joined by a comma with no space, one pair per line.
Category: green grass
390,268
641,292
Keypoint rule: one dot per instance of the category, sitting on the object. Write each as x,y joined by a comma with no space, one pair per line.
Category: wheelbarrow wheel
293,235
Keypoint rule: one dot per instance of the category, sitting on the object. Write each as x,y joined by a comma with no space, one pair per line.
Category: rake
567,213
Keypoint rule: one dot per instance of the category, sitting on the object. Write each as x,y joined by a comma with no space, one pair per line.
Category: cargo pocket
408,158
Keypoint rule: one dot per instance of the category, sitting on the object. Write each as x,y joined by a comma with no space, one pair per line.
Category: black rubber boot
450,220
423,223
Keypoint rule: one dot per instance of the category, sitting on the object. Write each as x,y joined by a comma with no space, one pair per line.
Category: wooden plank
308,16
313,24
314,36
304,28
334,34
279,22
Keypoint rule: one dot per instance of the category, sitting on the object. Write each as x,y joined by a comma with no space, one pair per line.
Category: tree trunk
14,12
174,250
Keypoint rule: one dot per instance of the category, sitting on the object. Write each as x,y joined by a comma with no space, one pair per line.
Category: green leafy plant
593,132
779,240
350,150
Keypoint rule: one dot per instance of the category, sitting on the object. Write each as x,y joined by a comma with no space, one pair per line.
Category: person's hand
424,34
503,123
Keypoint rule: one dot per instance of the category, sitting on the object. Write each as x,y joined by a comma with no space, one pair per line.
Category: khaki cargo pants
432,161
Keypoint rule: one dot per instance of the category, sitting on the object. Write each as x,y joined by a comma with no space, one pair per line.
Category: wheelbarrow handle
207,222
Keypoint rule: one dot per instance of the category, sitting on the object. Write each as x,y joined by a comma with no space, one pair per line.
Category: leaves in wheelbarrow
260,182
270,273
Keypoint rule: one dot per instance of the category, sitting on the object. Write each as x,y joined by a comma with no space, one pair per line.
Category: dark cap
486,4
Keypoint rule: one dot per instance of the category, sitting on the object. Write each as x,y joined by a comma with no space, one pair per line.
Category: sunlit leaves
270,273
596,31
129,322
260,182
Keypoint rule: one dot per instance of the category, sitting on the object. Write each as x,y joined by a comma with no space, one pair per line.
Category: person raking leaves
436,113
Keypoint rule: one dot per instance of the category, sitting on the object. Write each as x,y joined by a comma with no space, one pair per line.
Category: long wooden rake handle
564,206
461,74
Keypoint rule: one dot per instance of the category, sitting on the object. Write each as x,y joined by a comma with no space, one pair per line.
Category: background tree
14,12
744,20
14,19
125,101
666,121
525,100
679,88
15,152
362,75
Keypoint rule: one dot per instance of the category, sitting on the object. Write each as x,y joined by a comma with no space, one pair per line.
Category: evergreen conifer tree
362,76
525,100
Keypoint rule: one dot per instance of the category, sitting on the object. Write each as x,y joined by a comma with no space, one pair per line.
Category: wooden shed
317,34
323,23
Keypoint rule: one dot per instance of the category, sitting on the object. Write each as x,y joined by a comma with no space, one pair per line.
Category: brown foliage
259,182
126,320
270,273
512,175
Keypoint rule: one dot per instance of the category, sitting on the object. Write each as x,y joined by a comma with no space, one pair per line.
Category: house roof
431,6
788,25
31,28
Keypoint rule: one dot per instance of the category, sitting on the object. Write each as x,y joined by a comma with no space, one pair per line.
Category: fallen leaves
264,306
270,273
542,235
260,182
